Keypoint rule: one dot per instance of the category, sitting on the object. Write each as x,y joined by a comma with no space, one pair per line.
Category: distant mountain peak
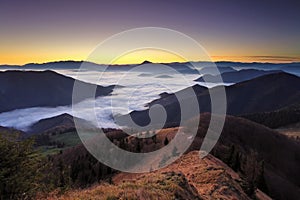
146,62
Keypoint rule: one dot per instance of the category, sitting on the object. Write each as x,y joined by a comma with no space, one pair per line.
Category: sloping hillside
250,149
236,76
263,156
24,89
59,124
188,178
262,94
278,118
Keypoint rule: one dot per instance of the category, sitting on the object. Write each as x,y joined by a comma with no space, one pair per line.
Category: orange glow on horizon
152,55
259,59
137,57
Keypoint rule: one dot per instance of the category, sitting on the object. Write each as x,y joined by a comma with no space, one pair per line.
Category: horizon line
134,63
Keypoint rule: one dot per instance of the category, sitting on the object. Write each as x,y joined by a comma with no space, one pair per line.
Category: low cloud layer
137,92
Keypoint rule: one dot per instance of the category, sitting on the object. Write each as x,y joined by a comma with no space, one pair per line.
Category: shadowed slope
265,93
59,124
20,89
262,155
235,77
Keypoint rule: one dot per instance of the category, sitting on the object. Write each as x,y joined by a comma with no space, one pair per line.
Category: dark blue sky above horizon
37,31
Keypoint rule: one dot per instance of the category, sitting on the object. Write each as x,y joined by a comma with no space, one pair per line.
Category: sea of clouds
137,91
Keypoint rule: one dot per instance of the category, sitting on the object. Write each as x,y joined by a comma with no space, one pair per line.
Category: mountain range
262,94
184,67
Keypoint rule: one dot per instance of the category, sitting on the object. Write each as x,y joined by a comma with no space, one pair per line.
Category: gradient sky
238,30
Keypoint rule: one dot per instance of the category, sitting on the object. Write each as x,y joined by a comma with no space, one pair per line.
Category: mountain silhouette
146,62
20,89
235,76
262,94
59,124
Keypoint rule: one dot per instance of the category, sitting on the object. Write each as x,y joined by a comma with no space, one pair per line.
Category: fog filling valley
138,90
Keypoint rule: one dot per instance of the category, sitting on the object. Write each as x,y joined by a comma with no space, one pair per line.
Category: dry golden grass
187,178
211,178
164,186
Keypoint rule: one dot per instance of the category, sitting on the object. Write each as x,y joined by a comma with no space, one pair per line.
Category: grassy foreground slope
187,178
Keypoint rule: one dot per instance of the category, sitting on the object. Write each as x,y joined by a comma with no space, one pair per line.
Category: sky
236,30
